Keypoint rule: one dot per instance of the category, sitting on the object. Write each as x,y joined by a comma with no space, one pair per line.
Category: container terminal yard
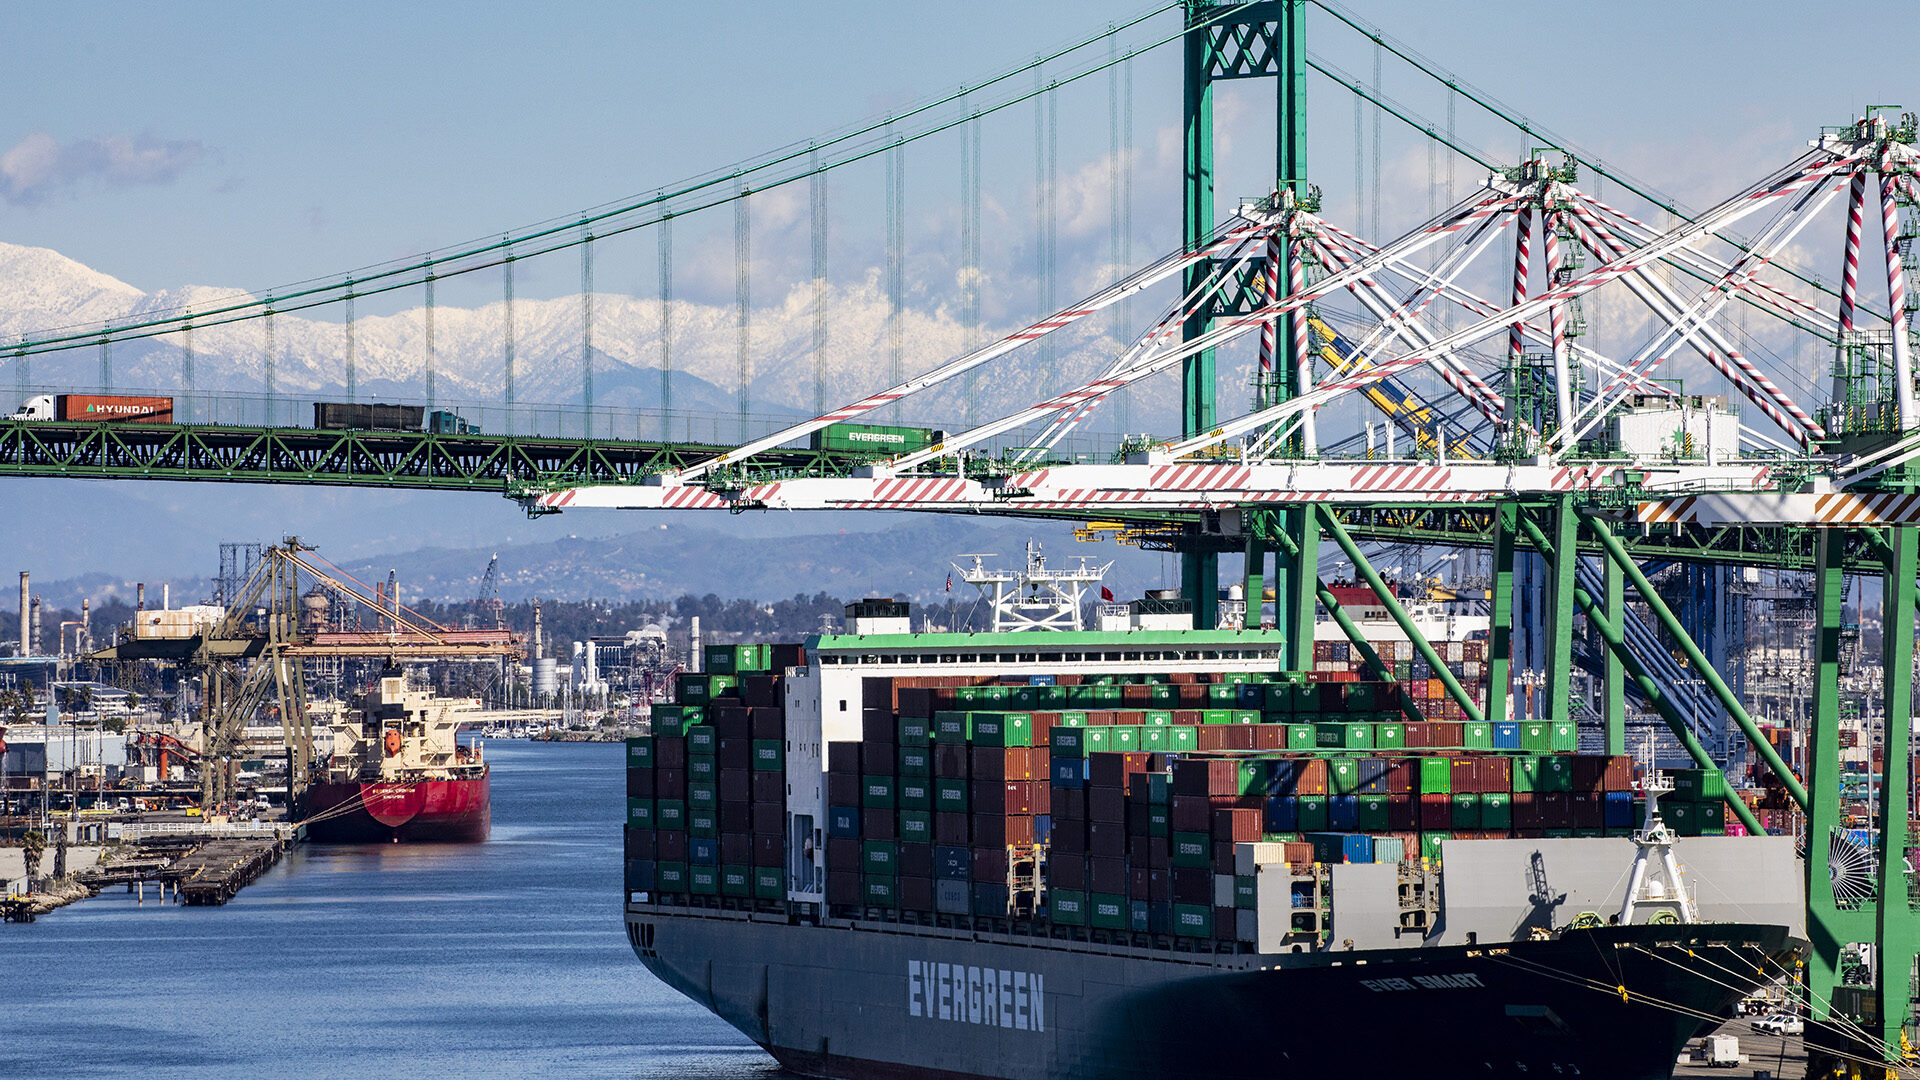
1538,657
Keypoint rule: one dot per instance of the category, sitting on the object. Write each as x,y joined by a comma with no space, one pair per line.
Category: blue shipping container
1506,735
1373,776
1343,815
1069,772
1618,807
1042,828
1283,814
1358,847
703,851
843,821
952,863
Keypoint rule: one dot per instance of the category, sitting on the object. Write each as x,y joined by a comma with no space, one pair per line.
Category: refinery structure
1729,561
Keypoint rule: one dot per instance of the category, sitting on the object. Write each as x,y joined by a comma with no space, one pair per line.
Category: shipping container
876,440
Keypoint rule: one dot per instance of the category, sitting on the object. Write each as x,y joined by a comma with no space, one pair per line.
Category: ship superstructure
399,772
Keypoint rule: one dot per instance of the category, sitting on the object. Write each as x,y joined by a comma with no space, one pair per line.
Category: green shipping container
1193,849
1389,736
1192,920
1301,737
1430,845
1183,739
874,440
704,880
914,793
1344,775
1245,716
1107,911
703,823
916,827
703,796
769,883
703,739
769,755
1478,735
950,796
670,877
1159,820
1436,776
640,814
1253,775
1373,813
1313,813
722,686
670,815
1067,907
877,792
1158,718
1566,739
1466,810
1246,892
880,892
952,727
736,881
1153,738
1003,729
1068,742
1071,718
1496,810
879,858
703,767
640,752
916,761
1536,737
915,731
1123,738
1099,739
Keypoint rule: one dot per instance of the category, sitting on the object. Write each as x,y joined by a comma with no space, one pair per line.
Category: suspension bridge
1558,365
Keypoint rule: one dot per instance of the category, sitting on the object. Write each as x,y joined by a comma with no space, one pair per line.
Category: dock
198,870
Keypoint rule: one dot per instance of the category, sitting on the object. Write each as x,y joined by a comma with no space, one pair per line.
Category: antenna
1033,598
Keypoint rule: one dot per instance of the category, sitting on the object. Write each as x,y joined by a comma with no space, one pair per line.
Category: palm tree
32,845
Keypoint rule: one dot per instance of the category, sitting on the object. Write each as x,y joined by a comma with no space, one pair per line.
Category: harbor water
503,959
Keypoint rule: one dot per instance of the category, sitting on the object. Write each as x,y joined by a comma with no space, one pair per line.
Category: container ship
399,773
1151,852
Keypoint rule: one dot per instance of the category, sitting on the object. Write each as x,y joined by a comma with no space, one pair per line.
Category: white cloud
39,165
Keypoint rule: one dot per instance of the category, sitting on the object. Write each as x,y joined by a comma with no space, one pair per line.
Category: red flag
1106,593
949,582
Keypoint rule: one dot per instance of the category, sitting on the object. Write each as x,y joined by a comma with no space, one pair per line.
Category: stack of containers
937,808
706,792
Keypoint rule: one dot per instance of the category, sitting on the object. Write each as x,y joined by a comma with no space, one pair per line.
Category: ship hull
904,1002
457,811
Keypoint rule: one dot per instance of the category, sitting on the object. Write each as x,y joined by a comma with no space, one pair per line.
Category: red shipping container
1211,737
843,887
1496,774
769,722
842,757
1436,812
949,828
1188,717
1190,813
736,850
672,783
879,726
1618,775
843,853
1588,774
878,825
1269,736
1069,839
1401,776
1466,775
1069,873
1130,717
877,693
1402,812
997,831
1112,769
1192,885
916,701
1556,809
735,785
1069,804
1179,678
1587,810
769,818
950,761
768,786
1139,883
1311,777
990,864
670,752
730,721
672,844
120,408
1237,826
1043,722
1106,804
1296,853
1225,926
1526,810
843,790
916,893
1107,839
1107,875
1099,718
736,817
1135,694
642,844
1206,776
769,851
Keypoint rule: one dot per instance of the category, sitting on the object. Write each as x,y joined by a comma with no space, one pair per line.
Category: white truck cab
36,408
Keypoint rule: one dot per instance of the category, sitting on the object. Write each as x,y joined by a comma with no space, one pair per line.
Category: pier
197,868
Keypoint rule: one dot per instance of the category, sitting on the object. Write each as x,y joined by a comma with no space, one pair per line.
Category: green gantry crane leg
1500,605
1356,636
1897,924
1392,604
1614,710
1559,687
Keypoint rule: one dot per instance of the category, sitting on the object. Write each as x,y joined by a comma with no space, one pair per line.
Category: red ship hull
429,811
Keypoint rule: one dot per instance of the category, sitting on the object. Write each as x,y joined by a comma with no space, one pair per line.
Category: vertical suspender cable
896,260
1040,223
586,332
186,369
507,334
1373,215
1360,167
21,372
1049,304
818,184
352,380
970,258
427,329
666,323
743,301
1123,400
266,322
1115,268
106,364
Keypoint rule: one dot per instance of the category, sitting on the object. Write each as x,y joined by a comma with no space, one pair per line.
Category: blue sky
256,144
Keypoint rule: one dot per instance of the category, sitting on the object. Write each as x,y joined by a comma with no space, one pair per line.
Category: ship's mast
1655,853
1033,598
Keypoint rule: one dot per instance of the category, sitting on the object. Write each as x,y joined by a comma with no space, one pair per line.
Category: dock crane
1401,405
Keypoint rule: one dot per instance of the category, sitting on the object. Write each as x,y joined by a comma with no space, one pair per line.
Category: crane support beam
1401,618
1614,634
1358,638
1721,691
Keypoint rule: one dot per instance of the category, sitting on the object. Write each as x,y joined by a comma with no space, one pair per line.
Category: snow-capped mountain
44,292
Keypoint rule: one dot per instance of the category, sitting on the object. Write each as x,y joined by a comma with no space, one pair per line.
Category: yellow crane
1392,397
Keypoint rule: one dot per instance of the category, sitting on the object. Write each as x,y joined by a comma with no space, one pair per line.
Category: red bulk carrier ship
398,772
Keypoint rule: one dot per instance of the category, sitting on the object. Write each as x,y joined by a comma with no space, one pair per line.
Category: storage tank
545,681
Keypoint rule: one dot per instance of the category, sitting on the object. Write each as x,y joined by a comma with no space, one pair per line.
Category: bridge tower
1228,41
